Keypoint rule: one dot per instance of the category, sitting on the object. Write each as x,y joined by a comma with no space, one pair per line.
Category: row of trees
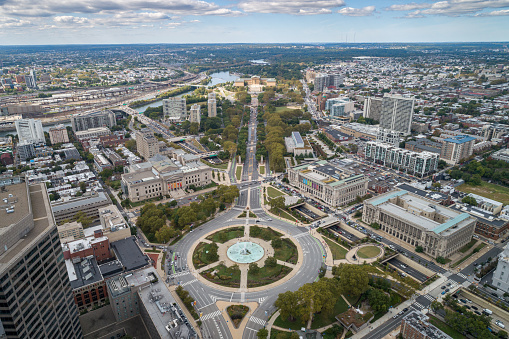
474,171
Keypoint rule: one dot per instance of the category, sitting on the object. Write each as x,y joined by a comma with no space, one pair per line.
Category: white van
487,311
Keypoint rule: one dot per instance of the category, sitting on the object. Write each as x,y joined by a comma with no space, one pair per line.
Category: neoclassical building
418,221
255,80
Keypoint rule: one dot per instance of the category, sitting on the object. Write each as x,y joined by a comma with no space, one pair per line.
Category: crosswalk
417,305
261,300
462,275
176,275
300,235
211,315
189,282
242,297
429,297
257,320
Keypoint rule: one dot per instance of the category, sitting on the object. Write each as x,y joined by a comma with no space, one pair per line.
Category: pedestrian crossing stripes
189,282
242,297
257,321
179,274
417,305
462,275
429,297
261,300
210,315
218,330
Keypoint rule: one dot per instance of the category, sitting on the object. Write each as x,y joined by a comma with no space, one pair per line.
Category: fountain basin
245,252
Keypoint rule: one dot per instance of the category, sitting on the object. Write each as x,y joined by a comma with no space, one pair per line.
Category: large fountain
245,252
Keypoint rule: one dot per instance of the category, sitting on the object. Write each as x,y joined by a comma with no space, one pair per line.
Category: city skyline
250,21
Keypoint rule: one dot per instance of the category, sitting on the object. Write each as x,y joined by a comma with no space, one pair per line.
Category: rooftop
129,254
460,139
97,197
13,195
420,322
83,273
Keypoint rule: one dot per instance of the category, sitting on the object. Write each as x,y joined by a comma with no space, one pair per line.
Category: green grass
284,214
338,252
199,258
238,172
445,328
265,233
352,299
267,275
321,320
368,252
468,246
261,169
220,166
487,190
285,323
229,277
276,334
274,193
287,252
227,234
478,248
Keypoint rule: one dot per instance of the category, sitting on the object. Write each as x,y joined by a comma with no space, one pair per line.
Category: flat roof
20,202
386,197
452,222
83,273
129,254
460,139
81,201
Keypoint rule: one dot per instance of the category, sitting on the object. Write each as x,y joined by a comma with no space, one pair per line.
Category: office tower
372,108
31,80
146,144
58,134
212,109
30,130
84,121
397,113
194,114
175,109
457,148
35,293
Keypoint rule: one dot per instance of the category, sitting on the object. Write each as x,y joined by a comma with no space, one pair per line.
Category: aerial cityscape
219,182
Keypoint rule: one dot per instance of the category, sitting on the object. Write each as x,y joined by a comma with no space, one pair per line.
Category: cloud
299,7
450,8
11,23
69,19
47,8
501,12
350,11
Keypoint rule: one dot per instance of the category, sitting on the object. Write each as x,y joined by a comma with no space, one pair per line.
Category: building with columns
418,221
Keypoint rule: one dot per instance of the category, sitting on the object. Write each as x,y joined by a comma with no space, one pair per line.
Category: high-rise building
457,148
146,144
389,137
30,130
35,293
372,108
397,113
211,105
194,114
58,134
175,109
325,80
25,150
31,80
339,107
84,121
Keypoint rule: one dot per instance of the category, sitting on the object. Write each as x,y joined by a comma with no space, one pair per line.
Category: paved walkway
329,260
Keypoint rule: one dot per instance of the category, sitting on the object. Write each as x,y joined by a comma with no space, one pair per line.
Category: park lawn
284,214
231,233
368,252
262,170
228,277
285,323
283,109
274,193
338,252
238,172
321,320
488,190
220,166
276,334
265,233
468,246
445,328
287,252
267,275
199,257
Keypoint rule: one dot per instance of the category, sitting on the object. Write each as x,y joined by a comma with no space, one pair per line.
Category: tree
441,260
164,234
253,268
294,335
193,129
54,196
469,200
211,254
353,279
262,333
271,262
378,300
82,218
288,304
131,145
83,187
276,243
419,249
435,306
277,203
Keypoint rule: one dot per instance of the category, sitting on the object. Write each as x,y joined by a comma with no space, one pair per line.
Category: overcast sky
202,21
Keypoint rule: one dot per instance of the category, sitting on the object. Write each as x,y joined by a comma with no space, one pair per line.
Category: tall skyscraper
146,143
194,114
326,80
397,113
211,103
31,80
30,130
36,300
372,108
175,109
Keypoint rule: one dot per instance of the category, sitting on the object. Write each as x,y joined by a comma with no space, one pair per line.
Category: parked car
499,324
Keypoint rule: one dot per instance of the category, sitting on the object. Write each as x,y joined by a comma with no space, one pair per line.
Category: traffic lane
387,327
493,253
346,234
408,270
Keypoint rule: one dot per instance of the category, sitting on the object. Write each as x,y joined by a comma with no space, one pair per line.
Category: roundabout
245,252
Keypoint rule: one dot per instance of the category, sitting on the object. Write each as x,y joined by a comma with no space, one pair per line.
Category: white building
339,107
397,113
389,137
501,274
372,108
31,80
175,109
194,114
212,105
30,130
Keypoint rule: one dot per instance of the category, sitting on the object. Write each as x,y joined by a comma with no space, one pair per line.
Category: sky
39,22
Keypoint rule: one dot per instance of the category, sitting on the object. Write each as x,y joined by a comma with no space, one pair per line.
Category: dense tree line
489,169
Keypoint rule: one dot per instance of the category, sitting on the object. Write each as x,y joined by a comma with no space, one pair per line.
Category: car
443,287
403,266
395,316
449,284
443,292
447,290
463,301
467,307
474,307
405,309
499,324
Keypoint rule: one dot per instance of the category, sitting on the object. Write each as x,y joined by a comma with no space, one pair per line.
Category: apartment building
92,133
212,105
85,121
175,109
70,231
146,143
195,114
419,221
35,294
58,135
457,148
372,108
388,136
327,80
415,163
335,186
397,113
339,107
30,130
89,203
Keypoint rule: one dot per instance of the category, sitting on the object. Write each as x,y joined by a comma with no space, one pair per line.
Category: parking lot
419,276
